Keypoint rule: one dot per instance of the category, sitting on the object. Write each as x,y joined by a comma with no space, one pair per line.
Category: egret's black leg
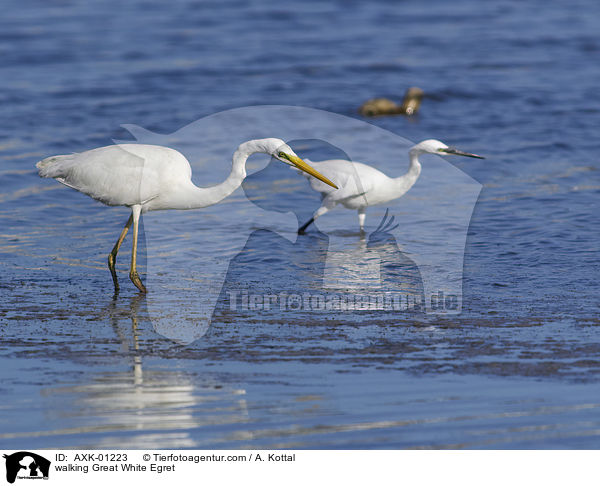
320,212
305,225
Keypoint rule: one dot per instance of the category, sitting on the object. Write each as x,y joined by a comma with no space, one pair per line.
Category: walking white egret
361,186
151,177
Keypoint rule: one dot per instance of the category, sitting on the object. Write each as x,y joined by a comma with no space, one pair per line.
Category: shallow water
517,367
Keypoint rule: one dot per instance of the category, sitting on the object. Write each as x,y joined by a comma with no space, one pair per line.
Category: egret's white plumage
150,177
361,186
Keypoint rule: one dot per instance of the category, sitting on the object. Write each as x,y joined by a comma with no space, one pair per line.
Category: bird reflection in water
138,406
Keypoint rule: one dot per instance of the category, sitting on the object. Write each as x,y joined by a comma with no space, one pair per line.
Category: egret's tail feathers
54,166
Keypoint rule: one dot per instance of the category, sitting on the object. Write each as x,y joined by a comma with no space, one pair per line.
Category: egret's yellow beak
303,166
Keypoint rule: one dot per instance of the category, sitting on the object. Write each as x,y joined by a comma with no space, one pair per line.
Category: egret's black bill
453,151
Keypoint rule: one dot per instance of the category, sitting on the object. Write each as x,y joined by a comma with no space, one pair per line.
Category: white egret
151,177
361,186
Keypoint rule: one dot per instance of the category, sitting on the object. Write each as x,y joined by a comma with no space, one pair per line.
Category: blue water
516,368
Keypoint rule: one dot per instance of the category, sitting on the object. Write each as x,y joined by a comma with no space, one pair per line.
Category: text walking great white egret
151,177
361,186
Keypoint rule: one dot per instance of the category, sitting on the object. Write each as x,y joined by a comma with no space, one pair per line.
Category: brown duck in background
382,106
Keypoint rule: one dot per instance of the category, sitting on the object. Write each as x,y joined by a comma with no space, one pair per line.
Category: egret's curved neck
207,196
414,170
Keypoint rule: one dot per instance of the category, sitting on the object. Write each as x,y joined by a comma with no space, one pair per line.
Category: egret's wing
118,175
108,174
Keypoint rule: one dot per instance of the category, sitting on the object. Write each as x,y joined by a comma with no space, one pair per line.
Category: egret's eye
282,155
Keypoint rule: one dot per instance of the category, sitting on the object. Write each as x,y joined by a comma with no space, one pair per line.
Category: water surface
517,368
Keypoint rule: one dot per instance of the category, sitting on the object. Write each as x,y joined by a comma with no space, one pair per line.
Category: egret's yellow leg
133,274
112,256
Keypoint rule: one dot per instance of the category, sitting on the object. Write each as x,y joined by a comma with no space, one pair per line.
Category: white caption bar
66,467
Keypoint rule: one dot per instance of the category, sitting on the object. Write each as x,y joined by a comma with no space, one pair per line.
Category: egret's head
283,152
439,148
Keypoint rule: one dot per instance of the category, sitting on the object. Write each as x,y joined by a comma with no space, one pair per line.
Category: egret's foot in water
111,267
135,278
302,228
